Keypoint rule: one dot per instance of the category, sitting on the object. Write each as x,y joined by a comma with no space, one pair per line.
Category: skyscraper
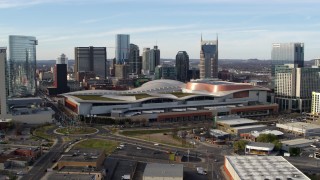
60,80
91,59
288,53
134,62
22,66
165,72
62,59
122,48
3,89
154,59
208,59
294,86
182,66
315,106
145,60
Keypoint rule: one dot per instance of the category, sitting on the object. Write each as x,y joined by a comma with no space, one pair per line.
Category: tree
239,145
277,145
267,138
270,138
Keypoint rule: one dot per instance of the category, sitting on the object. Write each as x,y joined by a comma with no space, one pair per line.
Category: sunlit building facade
22,66
208,59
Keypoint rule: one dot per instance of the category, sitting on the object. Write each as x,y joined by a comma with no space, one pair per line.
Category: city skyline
173,25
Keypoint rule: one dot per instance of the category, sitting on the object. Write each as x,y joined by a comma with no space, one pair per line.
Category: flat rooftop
260,146
217,132
163,170
80,176
250,127
237,121
297,141
302,125
81,155
267,131
264,167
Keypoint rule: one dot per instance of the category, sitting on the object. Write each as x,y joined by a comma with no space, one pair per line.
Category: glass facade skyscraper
288,53
22,66
122,48
182,66
208,59
134,59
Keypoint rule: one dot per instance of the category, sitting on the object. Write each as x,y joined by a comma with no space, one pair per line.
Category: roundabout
76,131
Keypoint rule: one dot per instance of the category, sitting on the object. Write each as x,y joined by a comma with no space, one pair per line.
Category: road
214,155
45,162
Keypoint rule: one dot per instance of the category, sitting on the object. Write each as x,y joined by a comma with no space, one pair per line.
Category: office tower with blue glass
208,59
22,66
122,48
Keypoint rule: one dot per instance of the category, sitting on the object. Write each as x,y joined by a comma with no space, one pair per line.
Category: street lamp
91,116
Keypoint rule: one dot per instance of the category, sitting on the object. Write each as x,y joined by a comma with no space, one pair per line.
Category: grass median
77,130
162,136
41,132
108,146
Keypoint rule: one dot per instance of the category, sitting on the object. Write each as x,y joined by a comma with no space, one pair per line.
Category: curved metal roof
156,86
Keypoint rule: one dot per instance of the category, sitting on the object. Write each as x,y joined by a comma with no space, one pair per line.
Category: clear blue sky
246,28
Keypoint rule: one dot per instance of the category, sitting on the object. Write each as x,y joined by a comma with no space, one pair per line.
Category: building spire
201,37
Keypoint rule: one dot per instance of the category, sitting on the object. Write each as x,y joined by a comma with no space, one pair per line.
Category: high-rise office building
288,53
182,66
91,59
62,59
145,60
134,61
294,86
3,83
165,72
208,59
122,71
60,80
154,59
315,106
317,62
122,48
22,66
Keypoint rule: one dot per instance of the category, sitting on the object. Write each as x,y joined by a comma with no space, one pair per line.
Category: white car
311,155
156,144
139,148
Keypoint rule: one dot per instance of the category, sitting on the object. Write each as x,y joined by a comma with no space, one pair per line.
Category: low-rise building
159,171
75,176
261,167
303,128
237,125
296,143
82,158
255,134
32,153
259,148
